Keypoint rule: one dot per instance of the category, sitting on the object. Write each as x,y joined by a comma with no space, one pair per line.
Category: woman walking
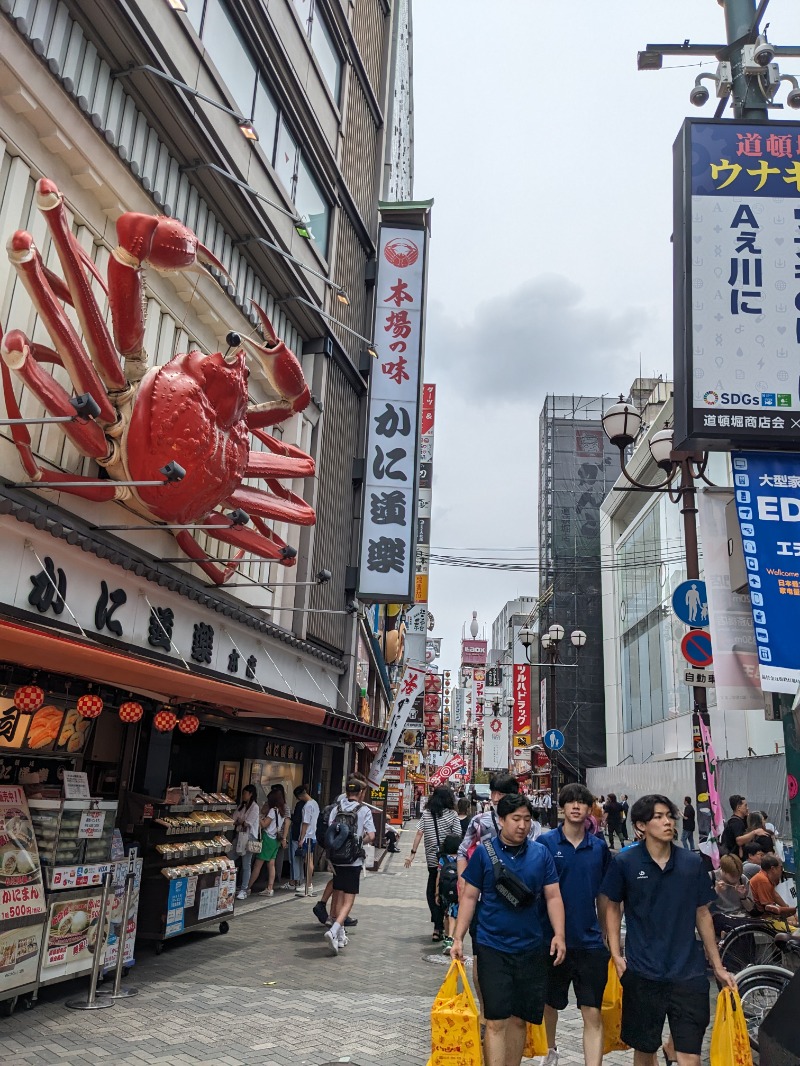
246,821
272,819
439,819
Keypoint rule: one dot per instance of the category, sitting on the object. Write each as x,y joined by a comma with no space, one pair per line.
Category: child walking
447,888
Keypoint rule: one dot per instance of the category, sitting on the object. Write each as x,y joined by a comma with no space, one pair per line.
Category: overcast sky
549,157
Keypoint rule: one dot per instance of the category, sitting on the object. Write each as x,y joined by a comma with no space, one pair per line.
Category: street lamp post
551,642
622,424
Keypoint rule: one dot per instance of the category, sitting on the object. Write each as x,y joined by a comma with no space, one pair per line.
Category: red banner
522,699
444,773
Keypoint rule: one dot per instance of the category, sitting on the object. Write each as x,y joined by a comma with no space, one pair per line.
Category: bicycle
751,943
761,986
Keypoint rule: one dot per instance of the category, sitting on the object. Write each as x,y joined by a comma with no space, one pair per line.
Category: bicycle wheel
750,945
759,989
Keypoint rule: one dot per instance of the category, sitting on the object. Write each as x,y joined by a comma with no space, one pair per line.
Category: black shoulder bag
511,889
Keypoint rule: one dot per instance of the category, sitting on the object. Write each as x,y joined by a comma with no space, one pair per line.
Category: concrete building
262,128
648,702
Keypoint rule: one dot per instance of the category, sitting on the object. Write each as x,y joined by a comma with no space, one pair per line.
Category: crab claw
283,372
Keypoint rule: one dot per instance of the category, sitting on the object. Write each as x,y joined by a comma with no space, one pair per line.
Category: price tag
76,785
91,825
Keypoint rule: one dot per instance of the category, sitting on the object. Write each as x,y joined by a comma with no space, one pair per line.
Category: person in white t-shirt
307,840
347,876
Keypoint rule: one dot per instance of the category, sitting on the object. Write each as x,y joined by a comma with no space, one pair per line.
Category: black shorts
512,986
346,879
586,971
646,1003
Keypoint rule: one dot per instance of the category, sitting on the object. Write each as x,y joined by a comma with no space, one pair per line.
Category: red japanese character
396,371
779,146
398,294
749,144
398,324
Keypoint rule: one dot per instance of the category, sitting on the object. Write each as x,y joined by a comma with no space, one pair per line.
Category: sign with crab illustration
191,417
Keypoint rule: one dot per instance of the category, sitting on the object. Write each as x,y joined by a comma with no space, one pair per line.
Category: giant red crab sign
193,411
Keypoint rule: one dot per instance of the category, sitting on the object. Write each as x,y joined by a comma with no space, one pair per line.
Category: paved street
268,993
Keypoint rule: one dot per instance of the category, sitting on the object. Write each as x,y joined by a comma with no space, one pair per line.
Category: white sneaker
343,941
332,943
550,1059
242,893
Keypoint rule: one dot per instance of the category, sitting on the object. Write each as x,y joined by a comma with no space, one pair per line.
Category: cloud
541,338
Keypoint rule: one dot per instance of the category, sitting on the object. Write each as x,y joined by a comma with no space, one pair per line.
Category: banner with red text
444,773
410,687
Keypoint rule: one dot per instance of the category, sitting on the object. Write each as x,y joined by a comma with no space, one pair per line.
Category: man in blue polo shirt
666,893
511,941
581,860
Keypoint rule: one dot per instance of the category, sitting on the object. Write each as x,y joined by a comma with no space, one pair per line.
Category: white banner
410,687
444,773
730,618
495,742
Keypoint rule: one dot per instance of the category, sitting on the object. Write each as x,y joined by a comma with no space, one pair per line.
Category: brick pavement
268,994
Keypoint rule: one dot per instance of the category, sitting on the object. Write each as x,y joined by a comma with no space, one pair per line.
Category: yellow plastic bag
536,1041
730,1045
455,1030
611,1011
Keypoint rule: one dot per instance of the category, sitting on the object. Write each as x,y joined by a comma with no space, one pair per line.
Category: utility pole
741,23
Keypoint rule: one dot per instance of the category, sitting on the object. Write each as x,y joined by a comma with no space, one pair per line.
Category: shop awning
45,650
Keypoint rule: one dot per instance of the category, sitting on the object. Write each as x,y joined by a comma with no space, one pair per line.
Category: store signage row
392,478
737,223
766,488
138,615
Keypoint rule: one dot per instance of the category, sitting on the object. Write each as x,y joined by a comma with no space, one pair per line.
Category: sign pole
93,1003
748,102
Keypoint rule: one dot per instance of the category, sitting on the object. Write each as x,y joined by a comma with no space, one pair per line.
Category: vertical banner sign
522,705
387,561
478,686
410,687
423,538
737,223
767,492
736,678
714,801
543,707
495,742
458,708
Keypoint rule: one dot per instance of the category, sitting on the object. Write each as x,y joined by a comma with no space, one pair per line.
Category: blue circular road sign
690,603
554,739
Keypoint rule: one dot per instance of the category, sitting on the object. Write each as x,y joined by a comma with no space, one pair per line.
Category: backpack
448,882
323,821
342,842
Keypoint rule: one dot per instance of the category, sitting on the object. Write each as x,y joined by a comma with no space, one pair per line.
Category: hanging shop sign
495,742
767,493
522,703
410,687
474,652
737,194
70,588
388,540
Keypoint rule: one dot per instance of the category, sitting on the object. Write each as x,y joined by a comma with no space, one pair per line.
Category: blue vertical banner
767,493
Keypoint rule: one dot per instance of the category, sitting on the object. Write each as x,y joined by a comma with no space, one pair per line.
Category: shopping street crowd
544,912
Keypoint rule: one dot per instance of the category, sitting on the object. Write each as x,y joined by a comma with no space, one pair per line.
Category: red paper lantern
432,701
433,683
89,706
190,723
165,721
28,698
131,712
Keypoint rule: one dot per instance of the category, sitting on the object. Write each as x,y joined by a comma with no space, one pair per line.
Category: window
265,118
194,12
321,40
230,55
313,206
286,158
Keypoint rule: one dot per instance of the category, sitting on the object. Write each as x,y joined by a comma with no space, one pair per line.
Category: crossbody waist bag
511,889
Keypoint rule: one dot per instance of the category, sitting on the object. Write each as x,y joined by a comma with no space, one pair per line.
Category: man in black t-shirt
736,835
687,835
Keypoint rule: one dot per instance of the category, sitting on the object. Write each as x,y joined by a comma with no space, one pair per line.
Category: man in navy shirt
666,893
511,942
581,860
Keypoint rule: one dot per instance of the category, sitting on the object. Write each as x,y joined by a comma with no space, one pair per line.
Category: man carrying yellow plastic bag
510,874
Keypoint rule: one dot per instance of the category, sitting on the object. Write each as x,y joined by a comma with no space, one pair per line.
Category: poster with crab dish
19,956
21,891
71,935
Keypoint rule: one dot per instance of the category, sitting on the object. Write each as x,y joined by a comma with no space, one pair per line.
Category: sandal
437,936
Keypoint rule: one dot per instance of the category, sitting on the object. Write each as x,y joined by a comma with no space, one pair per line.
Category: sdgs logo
746,399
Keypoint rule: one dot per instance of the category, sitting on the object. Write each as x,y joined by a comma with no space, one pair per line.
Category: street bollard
118,992
92,1003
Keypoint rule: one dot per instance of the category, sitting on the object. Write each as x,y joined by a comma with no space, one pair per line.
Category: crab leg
22,440
15,349
286,460
27,262
73,261
284,374
285,506
265,546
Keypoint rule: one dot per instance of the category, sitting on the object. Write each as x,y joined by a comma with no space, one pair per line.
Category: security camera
793,98
698,96
763,53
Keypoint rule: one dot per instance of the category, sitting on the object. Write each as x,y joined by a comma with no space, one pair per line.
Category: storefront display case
188,876
72,833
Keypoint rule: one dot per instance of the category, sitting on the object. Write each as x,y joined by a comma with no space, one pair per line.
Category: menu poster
176,902
19,957
207,907
71,935
76,785
121,924
227,890
21,891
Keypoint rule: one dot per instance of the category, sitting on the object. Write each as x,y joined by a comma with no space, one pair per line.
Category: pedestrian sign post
554,739
696,648
690,603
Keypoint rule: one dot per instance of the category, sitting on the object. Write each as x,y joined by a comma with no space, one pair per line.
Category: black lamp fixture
371,348
245,124
341,294
85,406
301,226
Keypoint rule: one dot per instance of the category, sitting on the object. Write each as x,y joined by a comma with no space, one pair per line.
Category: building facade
262,128
577,469
648,701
